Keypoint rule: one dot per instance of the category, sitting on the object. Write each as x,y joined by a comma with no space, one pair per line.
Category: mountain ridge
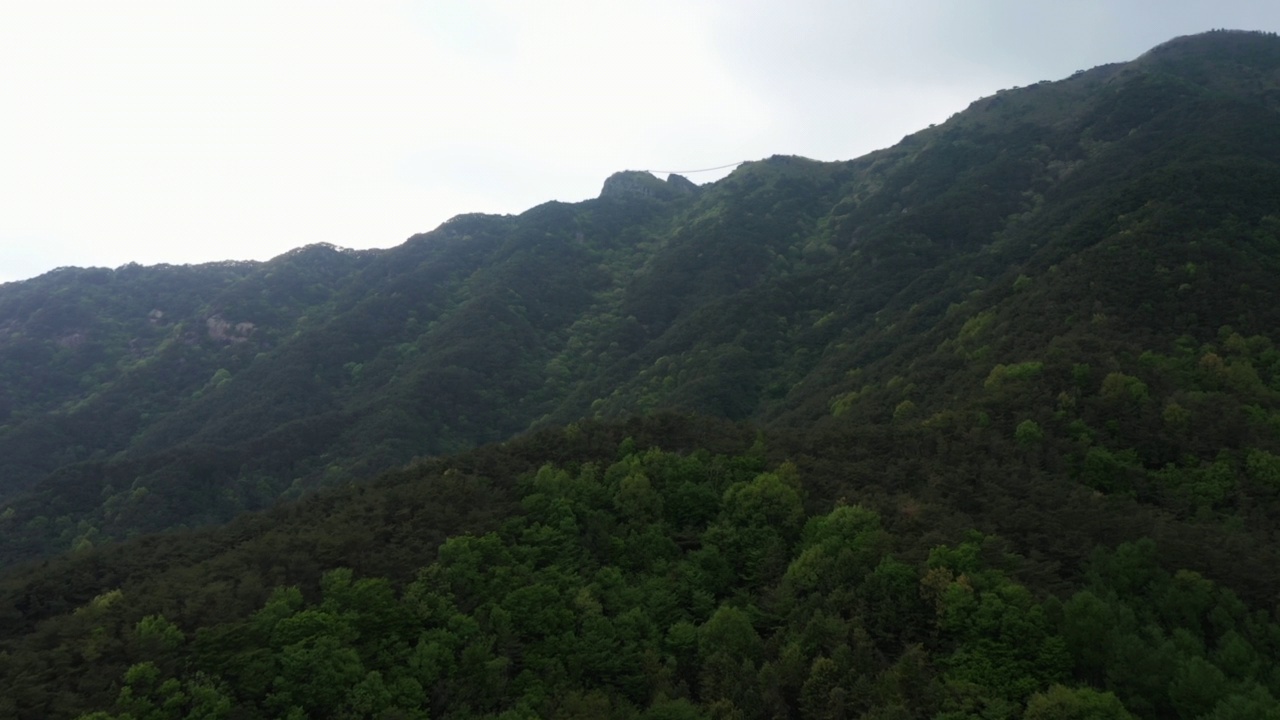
758,297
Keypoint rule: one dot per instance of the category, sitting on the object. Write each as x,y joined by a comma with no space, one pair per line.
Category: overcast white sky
181,132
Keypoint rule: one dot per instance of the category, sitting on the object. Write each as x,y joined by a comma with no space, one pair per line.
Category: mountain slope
994,431
1129,209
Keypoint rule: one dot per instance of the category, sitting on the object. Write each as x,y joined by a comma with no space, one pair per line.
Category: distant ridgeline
779,445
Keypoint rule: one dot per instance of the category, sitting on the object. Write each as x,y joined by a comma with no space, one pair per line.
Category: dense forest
982,425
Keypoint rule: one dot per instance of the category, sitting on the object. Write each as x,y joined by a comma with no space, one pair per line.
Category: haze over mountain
1043,326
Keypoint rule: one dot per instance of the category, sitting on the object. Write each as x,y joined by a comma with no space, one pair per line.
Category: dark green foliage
1037,244
1014,394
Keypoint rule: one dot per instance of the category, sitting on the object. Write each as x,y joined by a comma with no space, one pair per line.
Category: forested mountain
990,428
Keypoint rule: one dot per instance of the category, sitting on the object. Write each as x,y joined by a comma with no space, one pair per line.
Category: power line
689,172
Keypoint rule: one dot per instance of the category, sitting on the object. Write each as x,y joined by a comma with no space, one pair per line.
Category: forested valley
982,425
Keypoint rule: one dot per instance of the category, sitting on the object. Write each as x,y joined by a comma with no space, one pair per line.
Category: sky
184,132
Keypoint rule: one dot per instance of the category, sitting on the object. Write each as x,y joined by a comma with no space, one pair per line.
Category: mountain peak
1248,48
631,183
1213,38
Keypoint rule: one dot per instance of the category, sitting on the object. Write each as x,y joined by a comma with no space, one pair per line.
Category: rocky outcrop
224,331
640,183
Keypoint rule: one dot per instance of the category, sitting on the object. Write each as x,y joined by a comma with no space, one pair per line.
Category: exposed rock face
224,331
681,183
72,341
632,183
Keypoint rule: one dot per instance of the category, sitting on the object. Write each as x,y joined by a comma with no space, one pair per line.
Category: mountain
144,398
1034,346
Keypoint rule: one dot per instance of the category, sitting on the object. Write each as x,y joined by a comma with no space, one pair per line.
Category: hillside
1137,200
1022,362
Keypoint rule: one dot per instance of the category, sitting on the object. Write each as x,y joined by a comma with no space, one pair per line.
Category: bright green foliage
1028,433
1107,471
1263,468
155,630
1062,703
760,609
1006,647
1001,374
904,410
1207,485
837,551
146,697
538,616
1120,389
758,523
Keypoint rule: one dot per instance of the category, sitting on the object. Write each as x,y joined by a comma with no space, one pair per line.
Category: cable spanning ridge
689,172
